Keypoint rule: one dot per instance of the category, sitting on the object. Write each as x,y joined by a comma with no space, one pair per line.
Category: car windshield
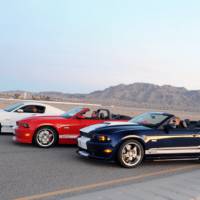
150,119
72,112
13,107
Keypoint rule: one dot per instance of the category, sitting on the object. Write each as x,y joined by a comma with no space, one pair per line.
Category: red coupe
47,131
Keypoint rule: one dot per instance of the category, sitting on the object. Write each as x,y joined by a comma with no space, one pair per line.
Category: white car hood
4,114
96,126
9,118
2,111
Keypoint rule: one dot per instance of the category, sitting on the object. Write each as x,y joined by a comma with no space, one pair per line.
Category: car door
175,141
70,129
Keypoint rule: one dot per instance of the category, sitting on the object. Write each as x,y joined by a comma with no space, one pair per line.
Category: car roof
33,103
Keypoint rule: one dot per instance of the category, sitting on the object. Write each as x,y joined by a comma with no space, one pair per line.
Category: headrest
184,124
102,116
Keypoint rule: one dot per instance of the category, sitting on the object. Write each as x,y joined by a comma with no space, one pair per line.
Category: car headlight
25,125
103,138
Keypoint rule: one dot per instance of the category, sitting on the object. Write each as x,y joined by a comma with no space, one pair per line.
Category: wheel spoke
135,151
128,147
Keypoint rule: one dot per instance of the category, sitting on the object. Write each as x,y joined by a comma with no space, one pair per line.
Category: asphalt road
56,173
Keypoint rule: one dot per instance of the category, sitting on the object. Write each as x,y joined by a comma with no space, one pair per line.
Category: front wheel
45,137
130,154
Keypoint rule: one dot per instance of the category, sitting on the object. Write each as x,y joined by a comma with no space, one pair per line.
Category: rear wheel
130,153
45,137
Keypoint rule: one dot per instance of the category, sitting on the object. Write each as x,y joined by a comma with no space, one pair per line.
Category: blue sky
85,45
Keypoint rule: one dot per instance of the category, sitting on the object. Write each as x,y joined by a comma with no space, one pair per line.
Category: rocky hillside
150,96
137,94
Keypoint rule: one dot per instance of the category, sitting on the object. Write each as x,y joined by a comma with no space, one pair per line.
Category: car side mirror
19,111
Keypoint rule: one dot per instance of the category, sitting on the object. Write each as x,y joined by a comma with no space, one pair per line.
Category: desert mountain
137,94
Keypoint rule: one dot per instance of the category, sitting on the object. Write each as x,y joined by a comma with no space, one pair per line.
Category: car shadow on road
50,148
95,162
146,163
8,134
170,162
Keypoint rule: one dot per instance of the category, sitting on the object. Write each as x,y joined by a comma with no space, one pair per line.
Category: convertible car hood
113,125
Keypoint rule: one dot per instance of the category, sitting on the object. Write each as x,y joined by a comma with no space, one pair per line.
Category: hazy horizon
36,91
79,46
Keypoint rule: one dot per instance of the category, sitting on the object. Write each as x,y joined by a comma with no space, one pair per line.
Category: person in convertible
176,122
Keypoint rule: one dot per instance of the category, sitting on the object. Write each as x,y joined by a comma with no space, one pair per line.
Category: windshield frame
168,116
72,112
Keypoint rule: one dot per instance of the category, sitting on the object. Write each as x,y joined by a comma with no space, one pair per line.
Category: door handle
196,135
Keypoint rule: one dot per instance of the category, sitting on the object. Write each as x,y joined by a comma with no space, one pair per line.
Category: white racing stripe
173,150
68,136
96,126
82,142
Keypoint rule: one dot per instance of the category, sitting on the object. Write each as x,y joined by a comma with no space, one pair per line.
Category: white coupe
18,111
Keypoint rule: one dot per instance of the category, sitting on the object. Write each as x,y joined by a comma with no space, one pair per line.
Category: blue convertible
147,136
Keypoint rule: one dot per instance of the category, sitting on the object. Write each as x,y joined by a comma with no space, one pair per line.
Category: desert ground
114,109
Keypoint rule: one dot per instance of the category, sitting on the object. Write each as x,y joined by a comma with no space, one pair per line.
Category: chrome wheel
45,137
131,154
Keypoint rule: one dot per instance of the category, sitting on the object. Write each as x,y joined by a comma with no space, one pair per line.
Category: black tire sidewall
119,155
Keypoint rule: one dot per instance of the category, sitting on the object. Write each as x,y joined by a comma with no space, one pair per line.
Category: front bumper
23,135
96,150
7,129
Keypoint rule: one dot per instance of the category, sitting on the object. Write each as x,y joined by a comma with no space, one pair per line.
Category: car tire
45,137
130,153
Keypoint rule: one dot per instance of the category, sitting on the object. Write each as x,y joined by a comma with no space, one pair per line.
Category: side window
33,109
40,109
